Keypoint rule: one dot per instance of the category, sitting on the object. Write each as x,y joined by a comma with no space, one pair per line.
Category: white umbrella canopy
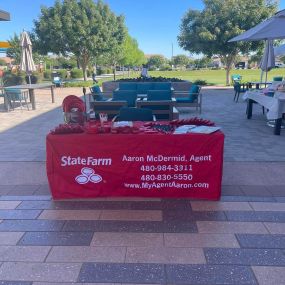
272,28
27,62
279,51
268,59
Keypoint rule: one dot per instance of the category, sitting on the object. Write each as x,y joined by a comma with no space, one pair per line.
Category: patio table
144,165
31,88
275,106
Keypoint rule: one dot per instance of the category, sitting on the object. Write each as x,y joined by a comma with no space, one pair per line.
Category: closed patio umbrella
27,62
268,59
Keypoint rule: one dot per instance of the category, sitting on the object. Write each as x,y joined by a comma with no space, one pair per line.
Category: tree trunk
228,76
114,72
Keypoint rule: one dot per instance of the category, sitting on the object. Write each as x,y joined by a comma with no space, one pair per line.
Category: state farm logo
88,175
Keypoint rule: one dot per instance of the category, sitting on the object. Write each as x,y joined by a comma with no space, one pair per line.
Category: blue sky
154,23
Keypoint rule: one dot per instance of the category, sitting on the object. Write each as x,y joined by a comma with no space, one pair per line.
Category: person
144,73
94,77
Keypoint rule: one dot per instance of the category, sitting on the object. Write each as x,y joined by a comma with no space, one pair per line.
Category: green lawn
212,77
218,77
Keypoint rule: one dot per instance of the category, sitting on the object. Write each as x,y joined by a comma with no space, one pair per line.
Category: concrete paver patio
238,240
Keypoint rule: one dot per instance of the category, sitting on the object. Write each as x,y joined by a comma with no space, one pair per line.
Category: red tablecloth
147,165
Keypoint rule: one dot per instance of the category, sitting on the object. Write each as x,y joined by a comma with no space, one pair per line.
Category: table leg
52,94
257,86
277,127
32,98
6,102
249,108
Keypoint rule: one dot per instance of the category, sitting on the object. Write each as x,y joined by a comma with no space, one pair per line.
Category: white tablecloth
275,104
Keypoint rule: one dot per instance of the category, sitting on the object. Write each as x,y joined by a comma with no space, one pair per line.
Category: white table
275,106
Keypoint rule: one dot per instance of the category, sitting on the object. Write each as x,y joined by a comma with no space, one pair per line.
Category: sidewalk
238,240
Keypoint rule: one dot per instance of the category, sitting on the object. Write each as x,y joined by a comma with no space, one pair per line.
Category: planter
110,86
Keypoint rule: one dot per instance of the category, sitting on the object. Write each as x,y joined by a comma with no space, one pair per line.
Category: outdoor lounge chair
111,108
130,96
135,114
192,98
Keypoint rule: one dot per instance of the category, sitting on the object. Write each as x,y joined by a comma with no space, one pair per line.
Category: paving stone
56,238
247,199
177,215
276,190
165,255
131,215
176,204
231,190
254,216
30,225
241,256
48,283
267,275
4,189
200,240
19,214
9,205
28,271
231,227
87,254
26,198
15,283
70,214
261,241
253,190
268,206
118,272
23,253
24,190
10,238
130,226
275,228
127,239
92,205
209,274
220,206
279,199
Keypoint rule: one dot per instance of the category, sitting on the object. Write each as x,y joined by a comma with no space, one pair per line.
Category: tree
15,50
132,55
81,27
156,61
181,60
209,30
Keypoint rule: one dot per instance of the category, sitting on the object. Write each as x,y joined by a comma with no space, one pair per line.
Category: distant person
144,72
94,78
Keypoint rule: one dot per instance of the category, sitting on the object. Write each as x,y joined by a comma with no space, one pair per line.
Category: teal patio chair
236,78
191,98
97,94
16,95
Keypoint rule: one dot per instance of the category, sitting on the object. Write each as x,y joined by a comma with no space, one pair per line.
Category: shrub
200,82
62,73
79,84
152,79
76,73
165,67
47,74
10,79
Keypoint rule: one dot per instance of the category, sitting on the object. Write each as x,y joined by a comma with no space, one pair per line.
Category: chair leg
26,102
237,96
